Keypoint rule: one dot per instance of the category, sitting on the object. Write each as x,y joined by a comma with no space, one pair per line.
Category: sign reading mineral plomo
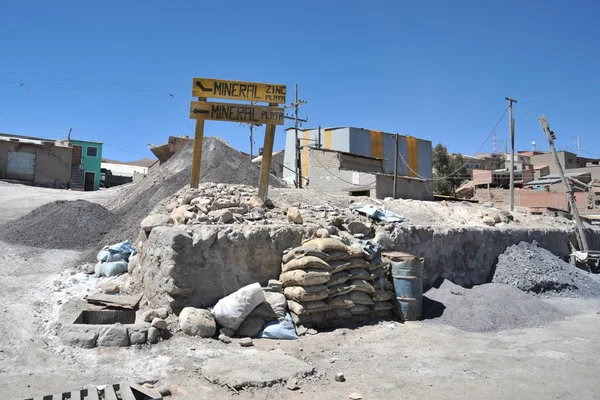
238,90
244,113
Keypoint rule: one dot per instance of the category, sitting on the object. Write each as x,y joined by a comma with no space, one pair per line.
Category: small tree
449,167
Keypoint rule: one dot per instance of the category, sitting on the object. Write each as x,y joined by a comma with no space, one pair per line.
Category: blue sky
437,70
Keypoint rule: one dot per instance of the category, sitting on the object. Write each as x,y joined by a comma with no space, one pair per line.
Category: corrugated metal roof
542,182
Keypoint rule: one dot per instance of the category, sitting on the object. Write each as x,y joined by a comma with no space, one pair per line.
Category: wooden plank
245,113
126,392
92,393
129,302
110,394
238,90
151,394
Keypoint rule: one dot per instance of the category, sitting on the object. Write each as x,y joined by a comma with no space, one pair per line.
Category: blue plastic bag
284,330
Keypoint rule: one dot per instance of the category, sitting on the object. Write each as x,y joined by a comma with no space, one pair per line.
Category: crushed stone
535,270
491,307
62,224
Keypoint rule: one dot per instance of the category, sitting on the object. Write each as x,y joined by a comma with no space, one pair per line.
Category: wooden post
197,157
267,156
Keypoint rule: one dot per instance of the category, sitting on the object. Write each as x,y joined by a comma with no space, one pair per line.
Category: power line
462,166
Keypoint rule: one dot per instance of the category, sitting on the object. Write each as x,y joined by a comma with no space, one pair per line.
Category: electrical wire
454,173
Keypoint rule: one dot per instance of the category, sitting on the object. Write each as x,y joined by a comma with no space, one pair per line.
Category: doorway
76,158
90,178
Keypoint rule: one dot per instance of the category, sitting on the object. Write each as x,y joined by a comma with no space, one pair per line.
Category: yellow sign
237,90
236,112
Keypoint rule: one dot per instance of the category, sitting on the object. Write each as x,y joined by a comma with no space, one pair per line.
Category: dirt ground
384,361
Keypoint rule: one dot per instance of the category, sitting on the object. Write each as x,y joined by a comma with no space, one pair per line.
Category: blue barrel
407,272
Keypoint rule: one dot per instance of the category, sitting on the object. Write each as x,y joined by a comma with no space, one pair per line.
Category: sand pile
536,270
486,308
61,225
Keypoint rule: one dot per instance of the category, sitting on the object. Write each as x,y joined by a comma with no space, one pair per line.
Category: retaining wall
196,265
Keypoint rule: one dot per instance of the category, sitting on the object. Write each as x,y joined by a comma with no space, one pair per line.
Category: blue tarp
377,213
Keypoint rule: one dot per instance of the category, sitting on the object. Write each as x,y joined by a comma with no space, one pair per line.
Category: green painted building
85,165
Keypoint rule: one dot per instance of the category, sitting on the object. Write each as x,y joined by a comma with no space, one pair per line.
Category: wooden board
236,112
238,90
109,300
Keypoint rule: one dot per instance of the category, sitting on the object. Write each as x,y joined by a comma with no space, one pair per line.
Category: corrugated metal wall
414,160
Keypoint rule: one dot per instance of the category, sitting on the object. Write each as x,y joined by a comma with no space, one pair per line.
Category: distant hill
144,162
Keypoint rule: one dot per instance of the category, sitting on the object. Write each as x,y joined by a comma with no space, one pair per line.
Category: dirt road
385,361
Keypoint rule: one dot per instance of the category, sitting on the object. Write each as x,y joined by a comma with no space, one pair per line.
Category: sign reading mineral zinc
236,112
238,90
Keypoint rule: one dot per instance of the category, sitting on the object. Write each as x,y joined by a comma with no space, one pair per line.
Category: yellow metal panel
328,139
376,144
236,112
413,156
238,90
304,156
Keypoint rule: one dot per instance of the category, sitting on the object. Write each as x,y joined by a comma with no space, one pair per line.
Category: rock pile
327,284
534,269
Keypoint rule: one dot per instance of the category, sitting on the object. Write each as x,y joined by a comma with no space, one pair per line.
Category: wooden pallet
119,391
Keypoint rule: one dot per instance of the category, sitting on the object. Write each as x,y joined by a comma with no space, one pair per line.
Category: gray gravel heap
534,269
491,307
61,225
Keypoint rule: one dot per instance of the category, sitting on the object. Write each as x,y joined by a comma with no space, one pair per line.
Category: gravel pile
491,307
536,270
61,225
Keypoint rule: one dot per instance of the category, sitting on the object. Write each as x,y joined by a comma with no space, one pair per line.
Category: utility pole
396,166
296,105
511,127
580,232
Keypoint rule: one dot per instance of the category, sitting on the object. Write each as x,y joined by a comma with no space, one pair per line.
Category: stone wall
196,265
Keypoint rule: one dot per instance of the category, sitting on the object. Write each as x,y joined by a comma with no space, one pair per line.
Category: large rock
198,265
197,322
358,227
159,323
293,215
231,310
137,337
220,216
113,336
80,338
153,335
179,214
255,202
259,369
152,221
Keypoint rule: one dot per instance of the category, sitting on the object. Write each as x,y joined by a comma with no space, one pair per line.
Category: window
92,151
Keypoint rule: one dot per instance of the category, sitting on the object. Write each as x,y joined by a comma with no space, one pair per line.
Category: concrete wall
324,173
90,163
567,159
52,163
407,188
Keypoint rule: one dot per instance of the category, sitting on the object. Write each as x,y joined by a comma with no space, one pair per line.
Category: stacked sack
328,284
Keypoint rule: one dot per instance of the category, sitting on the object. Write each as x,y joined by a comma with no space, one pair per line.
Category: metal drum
407,272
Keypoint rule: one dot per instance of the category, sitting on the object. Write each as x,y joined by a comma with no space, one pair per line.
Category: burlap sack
360,298
303,251
314,319
338,314
342,301
307,307
360,309
306,293
338,278
307,277
338,266
355,252
336,256
359,263
359,273
361,285
382,306
326,244
306,262
339,290
382,295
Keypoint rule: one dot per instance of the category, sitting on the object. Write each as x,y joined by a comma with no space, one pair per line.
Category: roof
345,153
259,158
539,166
30,140
84,141
542,182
